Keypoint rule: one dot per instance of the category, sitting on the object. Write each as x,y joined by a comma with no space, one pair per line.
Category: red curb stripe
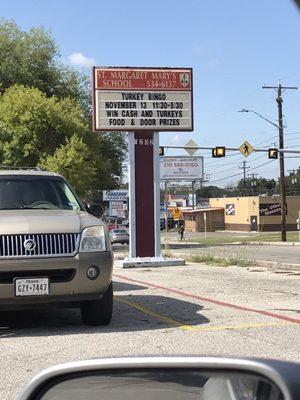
208,300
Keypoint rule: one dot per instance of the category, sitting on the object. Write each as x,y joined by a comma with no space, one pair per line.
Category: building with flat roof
257,213
201,219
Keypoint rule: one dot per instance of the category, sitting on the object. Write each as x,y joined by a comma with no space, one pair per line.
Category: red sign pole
144,195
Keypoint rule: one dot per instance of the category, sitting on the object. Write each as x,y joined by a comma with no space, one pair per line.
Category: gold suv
51,249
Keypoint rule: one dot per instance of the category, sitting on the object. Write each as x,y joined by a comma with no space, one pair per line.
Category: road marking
242,326
154,314
173,322
213,301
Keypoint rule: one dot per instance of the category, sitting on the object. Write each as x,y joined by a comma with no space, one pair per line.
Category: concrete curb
123,261
274,243
284,266
170,262
196,244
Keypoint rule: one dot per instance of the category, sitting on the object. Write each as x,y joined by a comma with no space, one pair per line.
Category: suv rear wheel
98,312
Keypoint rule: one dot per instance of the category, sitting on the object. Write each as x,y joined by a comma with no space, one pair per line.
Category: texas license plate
31,286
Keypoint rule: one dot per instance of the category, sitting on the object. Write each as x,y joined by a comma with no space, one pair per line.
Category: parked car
110,226
51,249
166,378
171,223
119,236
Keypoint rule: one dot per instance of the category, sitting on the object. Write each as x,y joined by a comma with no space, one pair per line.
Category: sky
233,46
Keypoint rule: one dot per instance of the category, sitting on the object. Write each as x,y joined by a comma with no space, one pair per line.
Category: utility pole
253,183
193,194
166,205
293,175
279,90
244,168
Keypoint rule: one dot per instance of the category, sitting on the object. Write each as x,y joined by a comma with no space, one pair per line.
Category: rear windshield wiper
25,208
35,208
10,208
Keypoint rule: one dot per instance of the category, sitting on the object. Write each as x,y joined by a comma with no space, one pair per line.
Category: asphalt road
196,309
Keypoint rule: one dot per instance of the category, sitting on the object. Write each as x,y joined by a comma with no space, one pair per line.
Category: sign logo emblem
29,245
230,209
184,79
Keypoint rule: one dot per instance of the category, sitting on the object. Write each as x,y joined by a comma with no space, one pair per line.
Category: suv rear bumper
68,278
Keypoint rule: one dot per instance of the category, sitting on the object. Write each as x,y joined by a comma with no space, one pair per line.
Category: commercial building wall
243,213
194,220
273,223
237,211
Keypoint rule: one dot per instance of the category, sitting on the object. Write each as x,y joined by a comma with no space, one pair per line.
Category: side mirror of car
95,209
167,378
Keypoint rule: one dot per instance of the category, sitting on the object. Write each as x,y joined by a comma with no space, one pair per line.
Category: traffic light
273,153
161,151
218,152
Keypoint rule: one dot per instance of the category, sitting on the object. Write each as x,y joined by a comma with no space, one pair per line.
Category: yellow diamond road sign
246,149
189,144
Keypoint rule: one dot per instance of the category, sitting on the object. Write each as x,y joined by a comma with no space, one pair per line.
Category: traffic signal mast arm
258,149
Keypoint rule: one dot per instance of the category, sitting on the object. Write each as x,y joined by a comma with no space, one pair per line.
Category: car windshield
31,192
120,231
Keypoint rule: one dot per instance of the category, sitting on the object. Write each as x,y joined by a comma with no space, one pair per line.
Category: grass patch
263,237
221,261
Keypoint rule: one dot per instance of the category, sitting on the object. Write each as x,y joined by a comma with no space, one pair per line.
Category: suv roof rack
13,167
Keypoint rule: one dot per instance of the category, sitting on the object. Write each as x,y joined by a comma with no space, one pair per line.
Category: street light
259,115
279,126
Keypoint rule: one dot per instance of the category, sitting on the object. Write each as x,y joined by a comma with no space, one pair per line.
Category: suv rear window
36,192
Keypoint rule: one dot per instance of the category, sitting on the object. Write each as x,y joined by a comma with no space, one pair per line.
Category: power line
244,168
292,157
292,133
241,173
236,163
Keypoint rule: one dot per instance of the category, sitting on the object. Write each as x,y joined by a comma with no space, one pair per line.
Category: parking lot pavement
196,309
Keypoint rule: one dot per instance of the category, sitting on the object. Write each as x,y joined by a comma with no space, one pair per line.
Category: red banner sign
143,79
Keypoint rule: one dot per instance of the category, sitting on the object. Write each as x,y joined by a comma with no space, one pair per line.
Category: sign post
205,226
166,211
298,224
143,101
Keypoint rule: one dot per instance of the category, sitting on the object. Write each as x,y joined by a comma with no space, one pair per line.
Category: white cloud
176,139
199,49
213,63
80,59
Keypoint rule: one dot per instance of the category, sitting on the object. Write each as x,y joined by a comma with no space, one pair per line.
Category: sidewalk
190,244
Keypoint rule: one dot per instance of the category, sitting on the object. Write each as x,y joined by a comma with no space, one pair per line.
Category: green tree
33,125
256,186
32,59
43,104
73,160
108,151
292,183
207,192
